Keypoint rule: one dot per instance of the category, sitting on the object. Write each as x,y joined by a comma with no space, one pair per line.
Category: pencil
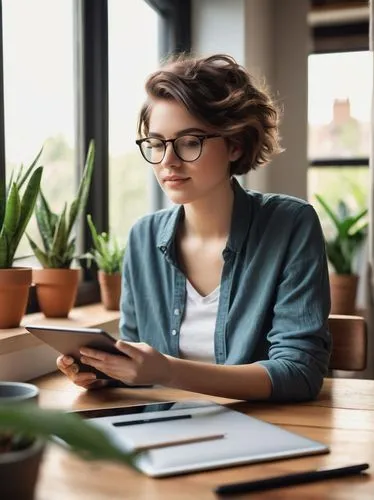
177,442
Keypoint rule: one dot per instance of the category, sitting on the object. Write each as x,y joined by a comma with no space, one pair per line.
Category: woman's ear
235,151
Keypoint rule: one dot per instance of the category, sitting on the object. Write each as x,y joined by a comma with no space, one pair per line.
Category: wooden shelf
92,315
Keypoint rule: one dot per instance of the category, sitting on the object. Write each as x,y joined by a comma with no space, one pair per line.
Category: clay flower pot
343,293
56,290
110,289
14,292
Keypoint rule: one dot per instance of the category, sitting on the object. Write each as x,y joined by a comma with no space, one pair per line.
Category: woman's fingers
68,367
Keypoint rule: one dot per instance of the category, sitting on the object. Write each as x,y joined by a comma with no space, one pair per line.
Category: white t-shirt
196,340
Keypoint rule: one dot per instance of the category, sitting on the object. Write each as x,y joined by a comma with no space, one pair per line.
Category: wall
271,39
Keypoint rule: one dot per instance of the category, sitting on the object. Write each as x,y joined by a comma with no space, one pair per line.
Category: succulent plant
351,231
17,203
106,252
59,245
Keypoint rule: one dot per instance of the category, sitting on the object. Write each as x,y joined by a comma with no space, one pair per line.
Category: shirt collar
240,222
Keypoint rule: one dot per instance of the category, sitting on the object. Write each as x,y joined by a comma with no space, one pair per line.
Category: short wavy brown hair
222,94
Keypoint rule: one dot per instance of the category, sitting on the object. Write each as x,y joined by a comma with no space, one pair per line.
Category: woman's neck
210,218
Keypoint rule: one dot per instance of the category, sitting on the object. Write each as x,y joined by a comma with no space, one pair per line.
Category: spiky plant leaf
351,232
23,179
82,437
80,201
39,254
27,206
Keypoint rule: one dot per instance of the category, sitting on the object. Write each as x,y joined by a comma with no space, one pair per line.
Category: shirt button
176,312
174,332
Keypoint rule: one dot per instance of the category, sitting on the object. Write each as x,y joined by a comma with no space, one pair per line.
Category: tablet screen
166,406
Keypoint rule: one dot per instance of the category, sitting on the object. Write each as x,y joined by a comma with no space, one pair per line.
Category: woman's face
188,182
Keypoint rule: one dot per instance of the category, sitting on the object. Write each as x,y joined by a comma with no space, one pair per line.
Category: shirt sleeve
127,324
299,340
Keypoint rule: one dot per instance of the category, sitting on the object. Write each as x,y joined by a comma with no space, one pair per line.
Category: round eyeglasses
186,147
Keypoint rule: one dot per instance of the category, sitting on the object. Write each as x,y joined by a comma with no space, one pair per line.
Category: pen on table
150,420
176,442
290,479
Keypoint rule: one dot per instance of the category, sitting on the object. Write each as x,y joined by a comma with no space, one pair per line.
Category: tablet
68,341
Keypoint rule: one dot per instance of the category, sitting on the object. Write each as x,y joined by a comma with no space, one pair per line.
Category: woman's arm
145,365
236,381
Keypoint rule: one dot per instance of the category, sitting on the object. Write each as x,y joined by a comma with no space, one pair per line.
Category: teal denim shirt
274,297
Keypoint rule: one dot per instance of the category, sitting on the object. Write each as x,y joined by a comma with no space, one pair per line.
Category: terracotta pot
110,289
56,290
343,289
14,292
19,471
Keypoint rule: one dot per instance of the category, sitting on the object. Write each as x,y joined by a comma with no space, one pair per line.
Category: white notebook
245,439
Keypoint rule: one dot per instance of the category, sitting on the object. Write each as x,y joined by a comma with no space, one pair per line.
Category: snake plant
106,251
17,203
55,229
24,422
351,231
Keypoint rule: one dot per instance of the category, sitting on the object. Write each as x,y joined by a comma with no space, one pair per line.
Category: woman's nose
170,158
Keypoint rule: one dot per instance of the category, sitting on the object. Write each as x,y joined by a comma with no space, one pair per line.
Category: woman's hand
142,364
83,379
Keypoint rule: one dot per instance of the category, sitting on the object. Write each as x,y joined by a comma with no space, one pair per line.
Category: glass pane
339,97
334,184
133,54
39,95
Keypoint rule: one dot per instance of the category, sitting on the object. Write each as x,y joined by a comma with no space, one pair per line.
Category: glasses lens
153,150
188,147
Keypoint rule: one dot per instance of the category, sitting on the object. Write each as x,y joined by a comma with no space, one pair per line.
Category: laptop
213,435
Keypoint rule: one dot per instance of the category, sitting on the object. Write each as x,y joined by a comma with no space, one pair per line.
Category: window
339,127
57,57
129,175
39,95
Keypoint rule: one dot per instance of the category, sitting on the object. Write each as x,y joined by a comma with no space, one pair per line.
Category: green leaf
3,199
5,262
59,242
351,233
21,181
83,437
79,203
39,254
329,212
93,231
46,221
12,212
27,207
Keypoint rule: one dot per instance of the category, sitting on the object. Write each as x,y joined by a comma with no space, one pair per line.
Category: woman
227,292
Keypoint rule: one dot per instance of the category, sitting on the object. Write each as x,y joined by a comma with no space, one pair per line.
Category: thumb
128,348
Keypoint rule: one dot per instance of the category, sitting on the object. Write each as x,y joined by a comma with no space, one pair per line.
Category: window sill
88,316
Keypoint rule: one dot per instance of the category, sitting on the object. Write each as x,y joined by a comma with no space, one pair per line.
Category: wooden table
342,417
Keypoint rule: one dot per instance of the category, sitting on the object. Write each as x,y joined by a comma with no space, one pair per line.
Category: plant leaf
84,438
27,207
39,254
80,201
21,181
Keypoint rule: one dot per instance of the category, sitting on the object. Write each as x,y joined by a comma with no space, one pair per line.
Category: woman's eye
156,145
189,142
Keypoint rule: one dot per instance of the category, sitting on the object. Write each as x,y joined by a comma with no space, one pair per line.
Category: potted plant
17,202
57,283
342,249
25,430
108,256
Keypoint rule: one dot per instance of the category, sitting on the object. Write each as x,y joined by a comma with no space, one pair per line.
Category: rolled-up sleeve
128,323
299,339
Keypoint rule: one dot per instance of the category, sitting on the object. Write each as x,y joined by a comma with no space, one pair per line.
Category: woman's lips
175,181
